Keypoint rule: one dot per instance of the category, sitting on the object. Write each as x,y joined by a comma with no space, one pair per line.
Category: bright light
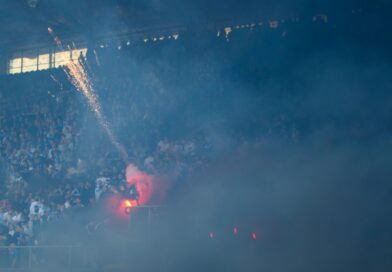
254,236
128,203
128,206
227,30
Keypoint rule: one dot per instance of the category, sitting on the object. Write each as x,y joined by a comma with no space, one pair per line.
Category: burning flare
142,181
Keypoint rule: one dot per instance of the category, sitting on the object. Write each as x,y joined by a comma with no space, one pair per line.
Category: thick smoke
142,181
314,188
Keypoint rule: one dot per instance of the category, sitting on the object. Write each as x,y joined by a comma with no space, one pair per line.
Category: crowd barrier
22,258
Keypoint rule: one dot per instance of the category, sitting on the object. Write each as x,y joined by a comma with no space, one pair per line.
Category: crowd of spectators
36,148
177,102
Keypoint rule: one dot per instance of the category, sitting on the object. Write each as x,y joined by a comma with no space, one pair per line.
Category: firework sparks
77,74
96,58
55,38
57,82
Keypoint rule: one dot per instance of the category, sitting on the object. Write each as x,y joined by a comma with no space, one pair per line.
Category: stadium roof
24,23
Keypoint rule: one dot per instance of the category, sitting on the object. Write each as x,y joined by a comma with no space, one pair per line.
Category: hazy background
296,128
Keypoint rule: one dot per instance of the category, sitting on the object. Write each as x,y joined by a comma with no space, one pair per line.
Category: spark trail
77,74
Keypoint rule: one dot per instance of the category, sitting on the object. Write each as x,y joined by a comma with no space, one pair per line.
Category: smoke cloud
296,127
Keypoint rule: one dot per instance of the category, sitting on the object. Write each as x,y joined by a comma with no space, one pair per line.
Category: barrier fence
76,257
36,257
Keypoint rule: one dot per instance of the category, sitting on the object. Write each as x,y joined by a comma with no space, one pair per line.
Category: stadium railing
22,258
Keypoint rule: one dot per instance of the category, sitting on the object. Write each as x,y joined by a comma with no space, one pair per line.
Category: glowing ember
127,206
128,203
56,39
